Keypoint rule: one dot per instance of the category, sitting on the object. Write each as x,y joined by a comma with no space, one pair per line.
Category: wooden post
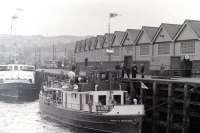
155,102
132,90
141,95
186,119
170,108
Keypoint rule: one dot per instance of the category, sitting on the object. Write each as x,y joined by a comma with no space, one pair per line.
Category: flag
143,86
112,15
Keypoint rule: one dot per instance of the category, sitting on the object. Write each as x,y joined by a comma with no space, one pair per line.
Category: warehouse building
168,45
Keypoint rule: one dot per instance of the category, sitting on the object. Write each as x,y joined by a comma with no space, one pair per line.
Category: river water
25,118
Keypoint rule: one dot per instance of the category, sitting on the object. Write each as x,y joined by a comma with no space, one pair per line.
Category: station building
166,45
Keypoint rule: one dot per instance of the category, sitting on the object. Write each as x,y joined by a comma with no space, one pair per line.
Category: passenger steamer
98,104
17,82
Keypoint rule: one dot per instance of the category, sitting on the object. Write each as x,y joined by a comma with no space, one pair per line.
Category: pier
172,105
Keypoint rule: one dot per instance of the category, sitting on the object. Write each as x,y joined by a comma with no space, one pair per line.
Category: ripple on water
25,118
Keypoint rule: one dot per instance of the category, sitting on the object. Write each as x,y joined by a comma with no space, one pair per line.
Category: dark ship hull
18,92
92,121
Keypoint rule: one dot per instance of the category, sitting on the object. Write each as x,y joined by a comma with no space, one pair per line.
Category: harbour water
25,118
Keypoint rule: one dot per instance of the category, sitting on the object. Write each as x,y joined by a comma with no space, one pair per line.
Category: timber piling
172,105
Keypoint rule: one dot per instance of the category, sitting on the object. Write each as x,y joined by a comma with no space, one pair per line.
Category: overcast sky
90,17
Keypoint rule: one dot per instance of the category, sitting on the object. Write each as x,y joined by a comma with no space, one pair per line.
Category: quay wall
172,106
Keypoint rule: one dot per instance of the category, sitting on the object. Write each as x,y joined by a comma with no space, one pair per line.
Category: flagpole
109,30
110,52
109,60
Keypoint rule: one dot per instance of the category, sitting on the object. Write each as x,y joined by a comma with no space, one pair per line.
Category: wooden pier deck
172,105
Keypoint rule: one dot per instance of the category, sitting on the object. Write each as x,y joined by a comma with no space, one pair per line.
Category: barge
98,104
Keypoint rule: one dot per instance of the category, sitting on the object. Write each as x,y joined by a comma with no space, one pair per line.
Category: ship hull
92,121
18,92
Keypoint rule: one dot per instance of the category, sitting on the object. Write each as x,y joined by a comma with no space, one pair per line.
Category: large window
102,99
144,50
163,49
188,47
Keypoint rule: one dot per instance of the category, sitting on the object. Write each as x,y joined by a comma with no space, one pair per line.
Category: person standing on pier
134,70
128,71
123,68
142,70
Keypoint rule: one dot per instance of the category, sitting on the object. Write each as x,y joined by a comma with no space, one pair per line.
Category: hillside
25,46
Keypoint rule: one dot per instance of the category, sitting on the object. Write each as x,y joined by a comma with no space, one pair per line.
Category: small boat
17,82
96,103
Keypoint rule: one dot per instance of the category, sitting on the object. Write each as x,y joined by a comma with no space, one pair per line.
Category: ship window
86,98
117,99
104,76
15,67
102,99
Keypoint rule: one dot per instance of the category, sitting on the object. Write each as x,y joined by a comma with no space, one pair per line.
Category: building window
144,50
188,47
163,49
116,51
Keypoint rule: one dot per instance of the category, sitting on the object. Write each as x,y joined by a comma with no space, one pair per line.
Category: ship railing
104,108
50,100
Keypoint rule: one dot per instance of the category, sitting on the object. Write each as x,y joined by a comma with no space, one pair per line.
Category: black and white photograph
99,66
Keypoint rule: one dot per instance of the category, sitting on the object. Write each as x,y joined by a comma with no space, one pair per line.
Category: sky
90,17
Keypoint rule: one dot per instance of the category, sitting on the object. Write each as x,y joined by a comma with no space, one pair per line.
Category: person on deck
72,75
162,69
142,70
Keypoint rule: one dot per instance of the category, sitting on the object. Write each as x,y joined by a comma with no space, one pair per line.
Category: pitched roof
77,46
171,30
93,43
100,41
108,40
82,45
194,25
119,35
149,31
87,44
130,37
